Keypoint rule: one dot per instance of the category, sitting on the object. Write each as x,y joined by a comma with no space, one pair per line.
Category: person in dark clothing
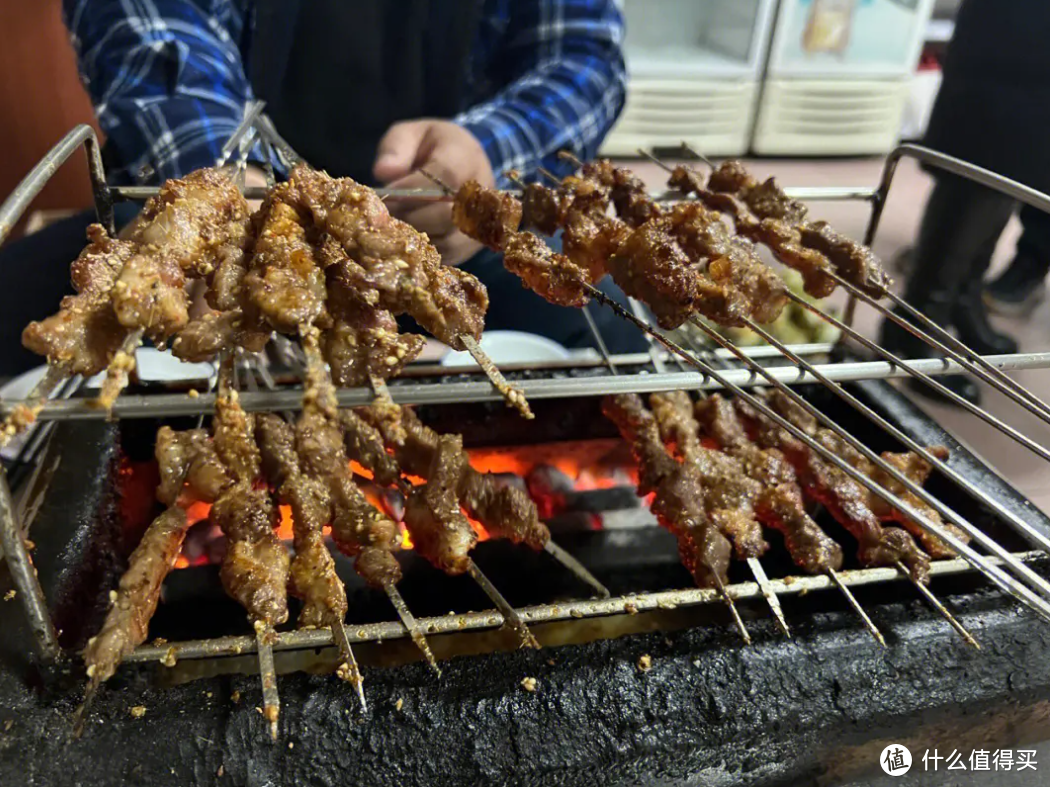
992,110
373,90
1022,286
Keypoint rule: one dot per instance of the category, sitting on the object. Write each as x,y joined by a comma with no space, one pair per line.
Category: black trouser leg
1034,244
960,227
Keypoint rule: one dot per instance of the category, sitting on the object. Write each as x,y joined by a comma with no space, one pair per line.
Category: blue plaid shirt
167,78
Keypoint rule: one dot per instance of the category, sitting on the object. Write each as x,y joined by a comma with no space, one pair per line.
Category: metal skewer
894,472
968,359
687,148
33,404
264,636
939,606
511,394
511,618
1019,590
349,669
411,626
1035,536
576,567
954,349
769,594
737,620
967,405
834,575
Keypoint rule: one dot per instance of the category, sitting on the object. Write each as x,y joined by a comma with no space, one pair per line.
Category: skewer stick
950,515
80,716
511,618
833,574
22,417
512,395
770,594
577,568
655,160
120,366
1024,593
567,155
549,175
697,154
739,621
882,352
957,351
409,622
349,669
939,606
264,636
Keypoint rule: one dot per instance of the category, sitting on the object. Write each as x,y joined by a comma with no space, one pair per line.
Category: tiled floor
897,231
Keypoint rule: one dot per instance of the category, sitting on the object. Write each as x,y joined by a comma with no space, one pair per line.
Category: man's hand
446,150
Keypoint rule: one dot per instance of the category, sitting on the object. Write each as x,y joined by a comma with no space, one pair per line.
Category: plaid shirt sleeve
165,77
563,79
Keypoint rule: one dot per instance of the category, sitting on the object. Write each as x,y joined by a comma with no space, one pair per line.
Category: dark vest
336,74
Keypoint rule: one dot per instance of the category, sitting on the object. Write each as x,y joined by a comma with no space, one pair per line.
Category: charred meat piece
391,264
844,498
189,458
729,493
853,261
433,517
779,504
364,443
359,529
255,569
734,262
654,268
135,600
628,192
285,281
679,492
313,575
504,511
204,337
550,275
766,200
84,334
488,216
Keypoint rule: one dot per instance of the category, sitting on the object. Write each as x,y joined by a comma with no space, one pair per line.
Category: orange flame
591,464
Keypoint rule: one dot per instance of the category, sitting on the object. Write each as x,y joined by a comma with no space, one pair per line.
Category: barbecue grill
674,629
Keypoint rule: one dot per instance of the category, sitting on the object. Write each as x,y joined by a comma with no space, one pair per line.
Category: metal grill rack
676,368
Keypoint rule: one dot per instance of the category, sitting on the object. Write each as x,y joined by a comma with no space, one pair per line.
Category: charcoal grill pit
775,712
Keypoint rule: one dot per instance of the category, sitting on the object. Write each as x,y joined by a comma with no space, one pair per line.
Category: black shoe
907,346
1017,290
973,329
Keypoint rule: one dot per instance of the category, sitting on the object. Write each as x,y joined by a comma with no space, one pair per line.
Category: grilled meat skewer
765,214
359,529
679,492
504,511
779,504
729,493
845,499
313,575
912,465
184,458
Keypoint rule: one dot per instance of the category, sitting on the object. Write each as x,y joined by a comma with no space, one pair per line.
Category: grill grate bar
548,613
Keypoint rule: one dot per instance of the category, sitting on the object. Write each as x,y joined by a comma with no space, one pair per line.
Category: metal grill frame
11,531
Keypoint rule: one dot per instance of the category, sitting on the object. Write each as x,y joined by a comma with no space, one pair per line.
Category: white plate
505,347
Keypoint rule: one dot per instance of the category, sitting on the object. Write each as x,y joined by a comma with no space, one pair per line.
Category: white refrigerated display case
838,75
694,68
